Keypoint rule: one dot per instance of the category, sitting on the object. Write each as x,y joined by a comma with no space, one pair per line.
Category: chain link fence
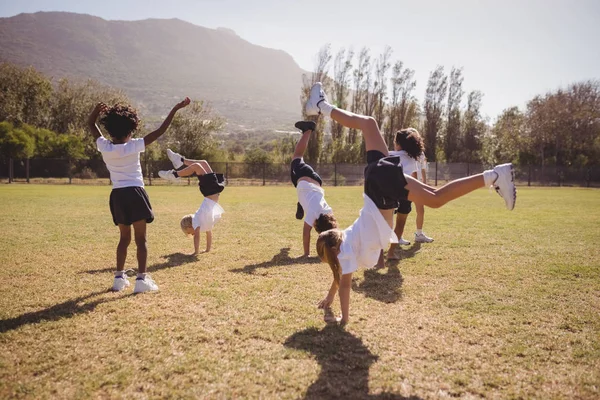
40,170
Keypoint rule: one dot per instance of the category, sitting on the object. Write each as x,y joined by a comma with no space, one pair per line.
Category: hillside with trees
155,61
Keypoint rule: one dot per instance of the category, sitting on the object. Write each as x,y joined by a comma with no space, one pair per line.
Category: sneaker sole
509,206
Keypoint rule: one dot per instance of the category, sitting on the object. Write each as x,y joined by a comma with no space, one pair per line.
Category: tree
15,142
341,68
434,109
313,150
474,128
360,75
403,107
24,95
191,131
380,87
257,156
507,141
452,137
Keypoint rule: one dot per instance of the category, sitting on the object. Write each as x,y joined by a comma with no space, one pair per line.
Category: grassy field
501,305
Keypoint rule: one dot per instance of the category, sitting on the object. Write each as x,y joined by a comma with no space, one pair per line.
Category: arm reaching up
152,136
94,129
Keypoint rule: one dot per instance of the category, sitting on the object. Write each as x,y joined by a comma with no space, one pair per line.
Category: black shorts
211,183
404,207
385,183
130,204
300,169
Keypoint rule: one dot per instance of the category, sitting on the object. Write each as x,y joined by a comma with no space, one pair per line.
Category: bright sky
511,50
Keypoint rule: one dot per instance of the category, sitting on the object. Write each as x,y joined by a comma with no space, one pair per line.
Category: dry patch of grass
501,305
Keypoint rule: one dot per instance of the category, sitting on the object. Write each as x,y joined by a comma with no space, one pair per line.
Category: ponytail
327,244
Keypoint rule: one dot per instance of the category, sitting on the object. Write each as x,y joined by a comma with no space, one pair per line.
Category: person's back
129,202
123,161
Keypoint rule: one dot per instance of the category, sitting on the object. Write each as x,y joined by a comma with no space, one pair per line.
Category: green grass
501,305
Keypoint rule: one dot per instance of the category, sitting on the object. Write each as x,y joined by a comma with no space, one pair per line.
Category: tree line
42,118
559,128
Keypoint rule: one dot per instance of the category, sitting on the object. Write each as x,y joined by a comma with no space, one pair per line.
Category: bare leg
302,144
420,193
200,167
124,241
380,263
398,230
420,215
203,163
139,228
368,126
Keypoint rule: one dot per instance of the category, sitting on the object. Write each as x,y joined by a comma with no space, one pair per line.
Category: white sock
119,274
141,276
325,108
489,177
419,232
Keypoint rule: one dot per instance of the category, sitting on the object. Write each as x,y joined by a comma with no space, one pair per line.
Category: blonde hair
327,244
186,224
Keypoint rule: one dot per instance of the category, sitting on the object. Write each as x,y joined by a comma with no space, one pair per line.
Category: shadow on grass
172,260
385,287
280,259
68,309
344,361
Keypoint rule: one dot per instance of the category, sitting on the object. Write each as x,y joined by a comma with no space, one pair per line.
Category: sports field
502,304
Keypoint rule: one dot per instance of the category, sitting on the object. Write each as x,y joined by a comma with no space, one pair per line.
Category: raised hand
184,103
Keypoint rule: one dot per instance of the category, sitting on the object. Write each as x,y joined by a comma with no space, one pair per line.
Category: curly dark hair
120,121
325,222
411,141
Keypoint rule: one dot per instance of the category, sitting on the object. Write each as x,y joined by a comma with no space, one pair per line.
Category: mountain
157,61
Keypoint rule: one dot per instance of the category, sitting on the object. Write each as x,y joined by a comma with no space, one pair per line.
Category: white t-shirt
207,215
363,240
312,199
123,161
409,164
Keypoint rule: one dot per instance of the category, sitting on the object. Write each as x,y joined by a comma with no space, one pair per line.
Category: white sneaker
505,185
422,238
120,283
316,96
168,175
175,158
145,284
403,242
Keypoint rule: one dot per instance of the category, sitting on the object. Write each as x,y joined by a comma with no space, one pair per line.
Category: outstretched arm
326,302
306,239
196,241
152,136
94,130
208,240
345,285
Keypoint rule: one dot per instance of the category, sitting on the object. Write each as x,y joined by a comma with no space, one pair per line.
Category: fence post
529,176
70,171
436,170
589,176
468,169
264,171
10,170
335,174
27,170
226,171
